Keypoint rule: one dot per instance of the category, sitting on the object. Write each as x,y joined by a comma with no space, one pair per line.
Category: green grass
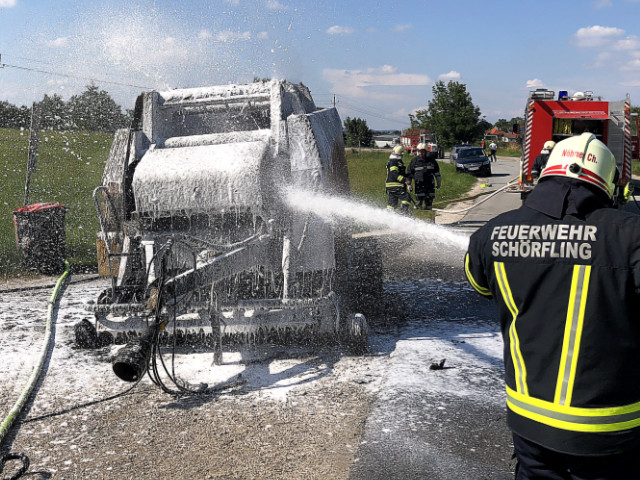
367,174
70,166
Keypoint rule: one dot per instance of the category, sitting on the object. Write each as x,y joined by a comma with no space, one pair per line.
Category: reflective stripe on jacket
568,292
396,172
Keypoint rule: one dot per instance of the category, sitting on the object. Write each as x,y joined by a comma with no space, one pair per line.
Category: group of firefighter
423,172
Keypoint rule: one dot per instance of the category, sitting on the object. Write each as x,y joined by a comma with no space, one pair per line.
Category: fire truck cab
551,118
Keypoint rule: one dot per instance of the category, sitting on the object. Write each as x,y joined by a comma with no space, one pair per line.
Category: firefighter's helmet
398,149
585,158
549,145
421,146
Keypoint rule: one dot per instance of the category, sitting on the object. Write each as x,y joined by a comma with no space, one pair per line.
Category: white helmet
398,149
549,145
585,158
421,146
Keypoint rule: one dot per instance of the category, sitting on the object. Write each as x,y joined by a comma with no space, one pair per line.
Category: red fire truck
411,137
548,118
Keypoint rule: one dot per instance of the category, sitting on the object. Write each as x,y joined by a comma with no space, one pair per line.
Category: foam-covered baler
196,230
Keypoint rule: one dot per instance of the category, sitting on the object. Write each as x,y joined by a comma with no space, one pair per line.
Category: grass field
367,174
70,166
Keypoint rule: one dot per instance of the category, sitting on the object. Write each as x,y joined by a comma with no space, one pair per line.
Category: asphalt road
449,423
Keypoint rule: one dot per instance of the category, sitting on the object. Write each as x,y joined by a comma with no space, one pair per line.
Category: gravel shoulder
299,415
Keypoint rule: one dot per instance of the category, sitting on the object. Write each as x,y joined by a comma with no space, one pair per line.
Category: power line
350,104
77,77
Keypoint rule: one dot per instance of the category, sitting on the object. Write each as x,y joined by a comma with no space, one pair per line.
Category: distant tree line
92,110
357,133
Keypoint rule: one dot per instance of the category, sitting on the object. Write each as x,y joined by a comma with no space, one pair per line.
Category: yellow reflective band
394,184
481,290
610,419
393,169
514,341
572,334
390,207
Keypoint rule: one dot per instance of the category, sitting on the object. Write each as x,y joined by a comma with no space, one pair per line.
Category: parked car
473,160
454,153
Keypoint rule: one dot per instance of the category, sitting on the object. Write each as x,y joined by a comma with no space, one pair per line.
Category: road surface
450,423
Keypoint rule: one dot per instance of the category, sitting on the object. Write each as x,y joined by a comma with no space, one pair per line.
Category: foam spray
335,209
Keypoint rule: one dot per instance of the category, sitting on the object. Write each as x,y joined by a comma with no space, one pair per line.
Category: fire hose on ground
493,194
33,379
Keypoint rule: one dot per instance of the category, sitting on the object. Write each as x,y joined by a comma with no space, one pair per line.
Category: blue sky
379,59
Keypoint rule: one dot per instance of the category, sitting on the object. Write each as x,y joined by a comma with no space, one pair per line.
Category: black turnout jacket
564,270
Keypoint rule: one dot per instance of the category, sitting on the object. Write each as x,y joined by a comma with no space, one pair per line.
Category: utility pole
34,142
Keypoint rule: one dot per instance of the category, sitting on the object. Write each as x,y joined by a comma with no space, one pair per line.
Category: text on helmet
572,153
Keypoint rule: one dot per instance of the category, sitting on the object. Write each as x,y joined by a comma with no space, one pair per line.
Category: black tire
86,334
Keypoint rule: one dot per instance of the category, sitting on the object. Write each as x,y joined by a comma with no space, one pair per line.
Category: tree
54,113
14,117
503,124
451,115
357,133
94,110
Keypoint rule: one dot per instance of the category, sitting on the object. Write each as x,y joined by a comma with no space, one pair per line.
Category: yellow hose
35,375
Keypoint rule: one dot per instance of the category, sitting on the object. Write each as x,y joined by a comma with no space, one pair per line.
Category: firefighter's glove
409,187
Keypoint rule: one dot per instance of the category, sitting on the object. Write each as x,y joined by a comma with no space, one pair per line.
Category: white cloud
359,83
7,3
60,42
535,83
596,35
228,36
631,42
602,59
275,5
452,75
402,28
602,4
262,35
340,30
632,65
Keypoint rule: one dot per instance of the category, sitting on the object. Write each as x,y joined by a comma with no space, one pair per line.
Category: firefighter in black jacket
397,183
541,160
564,270
425,172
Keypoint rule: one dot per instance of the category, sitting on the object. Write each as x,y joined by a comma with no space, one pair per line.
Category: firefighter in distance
398,184
425,173
564,270
541,160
